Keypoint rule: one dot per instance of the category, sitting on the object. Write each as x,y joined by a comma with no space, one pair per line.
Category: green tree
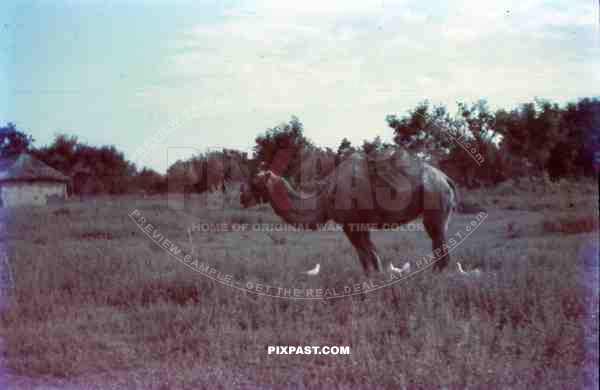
486,165
345,147
95,169
150,181
62,154
285,136
377,145
423,130
573,153
13,141
530,133
479,121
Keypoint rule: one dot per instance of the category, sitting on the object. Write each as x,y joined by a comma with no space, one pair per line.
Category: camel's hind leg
367,254
436,225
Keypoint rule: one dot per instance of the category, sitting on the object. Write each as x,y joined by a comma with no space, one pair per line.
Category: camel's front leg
372,260
365,249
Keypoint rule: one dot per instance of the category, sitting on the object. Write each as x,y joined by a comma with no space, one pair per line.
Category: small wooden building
25,180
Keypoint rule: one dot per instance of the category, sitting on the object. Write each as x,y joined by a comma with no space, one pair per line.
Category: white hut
27,181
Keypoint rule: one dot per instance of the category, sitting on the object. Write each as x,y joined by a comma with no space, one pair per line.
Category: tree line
475,145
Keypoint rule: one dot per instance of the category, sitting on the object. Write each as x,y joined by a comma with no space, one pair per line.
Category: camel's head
253,191
269,178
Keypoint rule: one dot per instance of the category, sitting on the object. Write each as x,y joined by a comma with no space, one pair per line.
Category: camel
377,190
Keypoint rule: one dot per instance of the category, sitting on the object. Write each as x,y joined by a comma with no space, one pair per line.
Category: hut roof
24,167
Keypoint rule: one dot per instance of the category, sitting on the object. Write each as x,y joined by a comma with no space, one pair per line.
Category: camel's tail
455,200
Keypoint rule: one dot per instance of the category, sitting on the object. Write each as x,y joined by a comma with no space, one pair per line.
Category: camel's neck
296,207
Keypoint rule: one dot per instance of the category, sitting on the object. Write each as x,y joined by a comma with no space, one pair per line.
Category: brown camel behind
389,187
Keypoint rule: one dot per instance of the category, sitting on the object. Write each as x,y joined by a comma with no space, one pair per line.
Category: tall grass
93,296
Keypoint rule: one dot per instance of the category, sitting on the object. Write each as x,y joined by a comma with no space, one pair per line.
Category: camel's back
396,166
392,165
367,180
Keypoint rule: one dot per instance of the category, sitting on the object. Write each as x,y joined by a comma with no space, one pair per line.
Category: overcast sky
118,72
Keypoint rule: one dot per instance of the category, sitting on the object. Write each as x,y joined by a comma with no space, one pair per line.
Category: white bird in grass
475,272
405,268
314,271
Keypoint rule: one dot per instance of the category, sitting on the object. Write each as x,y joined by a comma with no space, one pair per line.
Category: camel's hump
393,165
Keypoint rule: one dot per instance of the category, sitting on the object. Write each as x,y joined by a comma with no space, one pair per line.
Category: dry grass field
97,303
